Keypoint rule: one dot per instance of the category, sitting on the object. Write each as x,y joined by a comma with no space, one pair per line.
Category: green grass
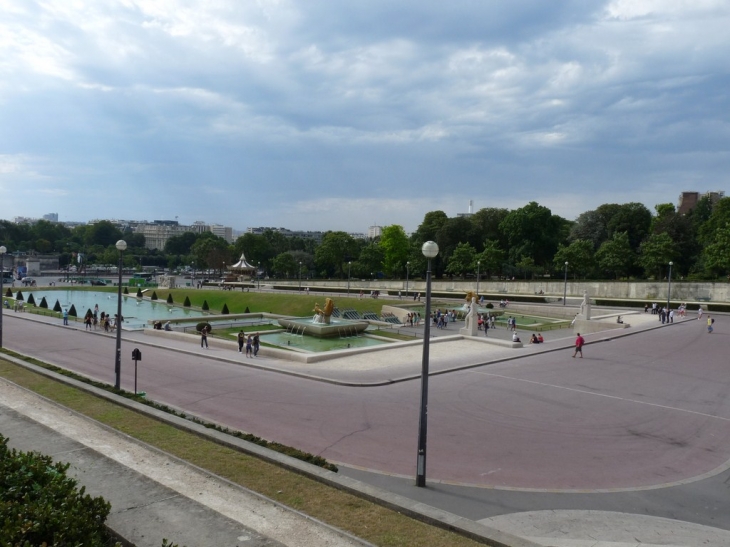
365,519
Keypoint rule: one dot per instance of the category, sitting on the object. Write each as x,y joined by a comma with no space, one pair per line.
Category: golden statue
470,295
325,313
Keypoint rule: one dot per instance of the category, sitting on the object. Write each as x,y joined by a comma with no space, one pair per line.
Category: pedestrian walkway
154,495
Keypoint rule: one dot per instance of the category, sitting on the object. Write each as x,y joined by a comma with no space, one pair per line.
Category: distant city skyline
319,115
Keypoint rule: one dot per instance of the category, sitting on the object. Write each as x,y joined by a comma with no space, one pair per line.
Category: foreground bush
40,505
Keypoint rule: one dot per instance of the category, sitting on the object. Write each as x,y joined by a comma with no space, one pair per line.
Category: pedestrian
256,344
204,337
65,316
579,342
249,346
241,341
699,313
87,321
710,322
399,295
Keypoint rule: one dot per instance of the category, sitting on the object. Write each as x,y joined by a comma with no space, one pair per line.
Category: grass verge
359,517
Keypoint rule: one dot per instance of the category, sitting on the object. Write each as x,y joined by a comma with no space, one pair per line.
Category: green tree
370,260
462,260
430,226
396,249
634,219
656,253
616,255
180,244
533,231
102,233
716,256
491,258
486,223
336,249
284,265
579,255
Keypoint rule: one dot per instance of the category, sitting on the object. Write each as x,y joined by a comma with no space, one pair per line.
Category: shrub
205,305
72,311
19,296
187,302
43,303
126,291
9,293
57,307
489,305
139,293
225,311
247,310
202,324
154,295
31,300
169,299
40,505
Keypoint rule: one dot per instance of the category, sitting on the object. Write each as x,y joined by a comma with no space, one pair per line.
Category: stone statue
324,315
585,306
470,324
471,295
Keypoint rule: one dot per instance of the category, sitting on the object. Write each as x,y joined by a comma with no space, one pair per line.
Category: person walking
204,337
241,341
249,346
710,322
579,342
699,313
256,344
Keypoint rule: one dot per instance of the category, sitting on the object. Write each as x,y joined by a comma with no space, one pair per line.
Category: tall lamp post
121,247
349,266
408,267
429,250
669,287
479,262
300,276
3,250
565,283
258,275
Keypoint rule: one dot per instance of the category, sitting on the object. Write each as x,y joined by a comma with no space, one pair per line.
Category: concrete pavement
559,344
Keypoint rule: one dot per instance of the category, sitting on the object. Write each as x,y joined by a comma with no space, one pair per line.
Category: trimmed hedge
57,307
43,303
225,311
154,295
72,311
205,305
169,299
31,299
19,296
187,302
40,505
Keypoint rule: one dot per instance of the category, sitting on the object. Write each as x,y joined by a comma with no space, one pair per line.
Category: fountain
322,325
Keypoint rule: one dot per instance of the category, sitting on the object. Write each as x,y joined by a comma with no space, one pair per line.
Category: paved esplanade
640,425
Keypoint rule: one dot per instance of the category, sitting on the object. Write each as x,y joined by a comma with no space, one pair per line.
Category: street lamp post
669,286
408,268
349,266
429,250
479,262
121,247
3,250
258,284
565,283
300,276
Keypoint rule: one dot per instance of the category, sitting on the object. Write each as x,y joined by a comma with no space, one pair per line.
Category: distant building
317,236
226,232
375,231
51,217
689,200
471,210
157,233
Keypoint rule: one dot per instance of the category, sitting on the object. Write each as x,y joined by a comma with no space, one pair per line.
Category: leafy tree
485,226
579,255
453,232
616,255
534,232
284,265
432,223
656,253
211,251
102,233
370,260
716,256
718,219
682,232
336,249
527,265
590,226
396,249
634,219
491,258
180,244
462,260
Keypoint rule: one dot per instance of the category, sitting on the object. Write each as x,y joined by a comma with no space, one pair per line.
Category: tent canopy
242,265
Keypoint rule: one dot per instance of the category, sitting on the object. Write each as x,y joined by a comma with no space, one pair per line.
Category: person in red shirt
579,341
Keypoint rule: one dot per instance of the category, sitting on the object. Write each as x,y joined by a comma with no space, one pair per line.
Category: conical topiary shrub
72,311
43,303
57,307
19,296
31,300
205,305
247,310
169,299
225,311
9,293
187,302
126,291
139,293
154,296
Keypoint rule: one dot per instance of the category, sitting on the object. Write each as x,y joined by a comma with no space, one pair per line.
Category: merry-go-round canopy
242,265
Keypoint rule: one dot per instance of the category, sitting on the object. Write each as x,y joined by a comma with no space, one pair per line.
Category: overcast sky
339,115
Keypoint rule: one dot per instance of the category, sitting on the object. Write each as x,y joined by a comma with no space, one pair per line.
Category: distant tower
471,210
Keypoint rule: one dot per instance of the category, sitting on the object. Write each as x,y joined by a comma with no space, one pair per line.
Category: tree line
614,241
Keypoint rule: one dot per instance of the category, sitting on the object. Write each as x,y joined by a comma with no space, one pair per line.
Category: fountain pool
314,344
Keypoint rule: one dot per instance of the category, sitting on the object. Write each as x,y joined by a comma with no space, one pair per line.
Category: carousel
242,268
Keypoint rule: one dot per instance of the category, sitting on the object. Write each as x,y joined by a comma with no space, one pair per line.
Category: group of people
441,319
252,343
94,319
536,338
157,325
413,319
485,322
503,303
